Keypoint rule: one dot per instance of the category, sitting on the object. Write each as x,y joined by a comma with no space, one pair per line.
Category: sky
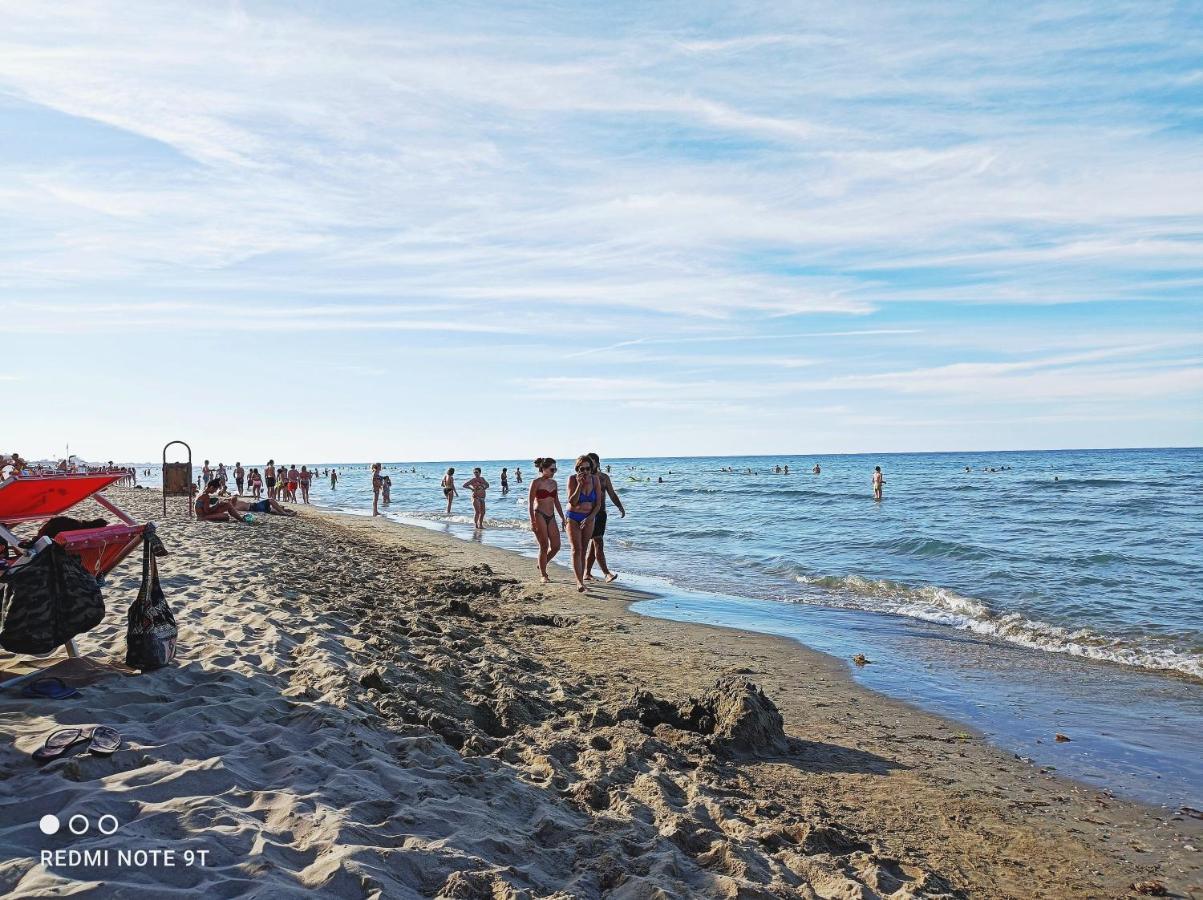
422,231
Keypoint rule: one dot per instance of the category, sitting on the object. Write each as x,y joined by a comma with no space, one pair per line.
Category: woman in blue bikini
584,490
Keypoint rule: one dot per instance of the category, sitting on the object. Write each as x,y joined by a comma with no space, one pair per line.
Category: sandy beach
362,709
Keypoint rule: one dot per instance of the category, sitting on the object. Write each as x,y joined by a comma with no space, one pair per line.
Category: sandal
105,741
60,742
50,687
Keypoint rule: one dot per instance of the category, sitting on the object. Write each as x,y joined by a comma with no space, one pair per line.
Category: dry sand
361,709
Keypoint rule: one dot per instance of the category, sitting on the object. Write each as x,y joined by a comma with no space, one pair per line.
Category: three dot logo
78,824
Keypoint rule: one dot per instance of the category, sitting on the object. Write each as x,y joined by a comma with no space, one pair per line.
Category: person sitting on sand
478,486
210,509
449,488
377,485
543,502
584,491
597,547
266,505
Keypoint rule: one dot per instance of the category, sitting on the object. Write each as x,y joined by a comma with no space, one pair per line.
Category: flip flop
105,741
51,688
60,742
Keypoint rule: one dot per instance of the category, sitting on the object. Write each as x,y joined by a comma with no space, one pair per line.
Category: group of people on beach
585,521
281,483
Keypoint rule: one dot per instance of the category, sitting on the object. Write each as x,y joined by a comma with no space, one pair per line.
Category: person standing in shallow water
597,547
878,481
449,488
478,486
543,502
505,481
518,476
377,484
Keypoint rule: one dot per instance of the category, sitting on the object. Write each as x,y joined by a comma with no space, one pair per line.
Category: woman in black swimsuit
449,488
544,505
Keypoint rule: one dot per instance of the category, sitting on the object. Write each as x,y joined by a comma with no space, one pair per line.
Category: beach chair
37,498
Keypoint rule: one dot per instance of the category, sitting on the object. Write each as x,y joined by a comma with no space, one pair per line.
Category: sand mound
735,716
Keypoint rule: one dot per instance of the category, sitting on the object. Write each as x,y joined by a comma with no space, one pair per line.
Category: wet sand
366,709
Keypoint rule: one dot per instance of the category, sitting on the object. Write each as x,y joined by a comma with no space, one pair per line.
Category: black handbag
151,635
47,601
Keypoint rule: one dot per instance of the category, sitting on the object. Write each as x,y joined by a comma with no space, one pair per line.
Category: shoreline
363,709
786,662
1017,697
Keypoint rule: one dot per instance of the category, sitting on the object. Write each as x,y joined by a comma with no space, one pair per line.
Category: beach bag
151,635
47,601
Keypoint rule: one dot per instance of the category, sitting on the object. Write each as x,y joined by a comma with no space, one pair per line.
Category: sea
1024,594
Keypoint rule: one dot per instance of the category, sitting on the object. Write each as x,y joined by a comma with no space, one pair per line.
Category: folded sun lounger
35,498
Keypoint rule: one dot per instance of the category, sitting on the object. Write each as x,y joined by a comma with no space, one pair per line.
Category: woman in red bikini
544,505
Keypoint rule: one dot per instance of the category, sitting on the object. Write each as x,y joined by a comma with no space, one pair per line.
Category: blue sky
412,231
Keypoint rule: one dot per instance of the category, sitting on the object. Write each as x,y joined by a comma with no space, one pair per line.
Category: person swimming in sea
449,488
478,486
543,504
584,492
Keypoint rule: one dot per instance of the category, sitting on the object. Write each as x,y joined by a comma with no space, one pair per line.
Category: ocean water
976,570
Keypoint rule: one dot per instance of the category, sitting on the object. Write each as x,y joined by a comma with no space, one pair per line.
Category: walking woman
597,546
449,488
584,493
544,505
305,479
377,484
478,486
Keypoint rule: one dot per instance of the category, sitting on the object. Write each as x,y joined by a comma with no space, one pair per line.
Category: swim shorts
261,507
599,524
271,481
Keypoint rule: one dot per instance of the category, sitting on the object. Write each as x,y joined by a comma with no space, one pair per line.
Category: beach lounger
37,498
